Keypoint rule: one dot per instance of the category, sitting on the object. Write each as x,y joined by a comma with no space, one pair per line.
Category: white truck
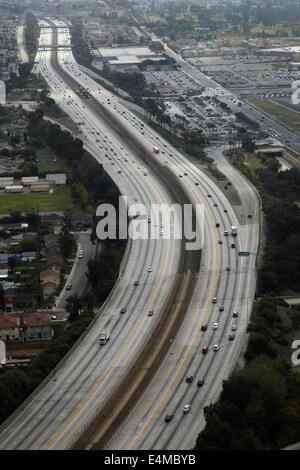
104,337
155,150
234,230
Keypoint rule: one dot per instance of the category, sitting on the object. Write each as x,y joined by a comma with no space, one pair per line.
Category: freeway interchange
179,288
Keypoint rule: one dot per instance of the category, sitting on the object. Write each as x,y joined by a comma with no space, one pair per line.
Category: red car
205,350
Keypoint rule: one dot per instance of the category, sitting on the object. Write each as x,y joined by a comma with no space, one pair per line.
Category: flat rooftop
107,52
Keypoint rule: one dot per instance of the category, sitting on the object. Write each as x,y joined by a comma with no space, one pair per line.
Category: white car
216,347
216,326
150,269
234,328
187,408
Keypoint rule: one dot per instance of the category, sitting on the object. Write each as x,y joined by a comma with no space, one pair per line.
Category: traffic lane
78,278
235,178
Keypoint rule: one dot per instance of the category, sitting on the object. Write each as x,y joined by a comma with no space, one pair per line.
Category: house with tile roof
38,326
9,328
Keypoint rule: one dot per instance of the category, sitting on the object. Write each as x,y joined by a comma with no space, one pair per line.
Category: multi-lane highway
61,410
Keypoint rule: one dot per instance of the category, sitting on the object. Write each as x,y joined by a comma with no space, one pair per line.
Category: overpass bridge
48,47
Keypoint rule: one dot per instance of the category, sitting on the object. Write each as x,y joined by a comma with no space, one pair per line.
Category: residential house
3,274
17,302
9,328
52,220
28,256
55,263
38,326
49,288
49,275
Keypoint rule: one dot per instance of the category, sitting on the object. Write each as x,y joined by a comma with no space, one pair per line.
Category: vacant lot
282,115
59,201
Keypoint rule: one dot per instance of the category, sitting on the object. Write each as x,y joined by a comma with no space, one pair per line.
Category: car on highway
214,300
234,328
231,337
216,326
227,268
53,317
205,350
136,283
216,347
80,256
217,224
220,242
203,327
232,245
169,417
150,269
189,379
150,313
187,408
200,382
235,314
249,216
123,310
221,309
69,287
226,233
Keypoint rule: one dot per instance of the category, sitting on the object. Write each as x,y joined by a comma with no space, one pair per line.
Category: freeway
63,408
90,363
164,146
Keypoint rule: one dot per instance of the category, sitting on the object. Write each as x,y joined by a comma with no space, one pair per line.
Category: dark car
69,287
231,337
123,310
169,418
225,210
203,327
200,382
235,314
217,224
136,283
220,242
232,245
221,309
249,216
189,379
205,350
